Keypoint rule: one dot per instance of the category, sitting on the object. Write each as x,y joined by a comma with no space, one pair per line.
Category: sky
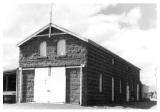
127,29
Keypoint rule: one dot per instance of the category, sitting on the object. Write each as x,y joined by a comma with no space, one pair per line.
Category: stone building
59,66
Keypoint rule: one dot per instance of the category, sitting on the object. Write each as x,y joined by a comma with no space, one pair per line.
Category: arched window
43,49
61,47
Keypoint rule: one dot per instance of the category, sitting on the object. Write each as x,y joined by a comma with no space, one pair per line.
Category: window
9,82
112,61
127,68
100,83
61,47
127,93
112,89
137,92
120,86
43,49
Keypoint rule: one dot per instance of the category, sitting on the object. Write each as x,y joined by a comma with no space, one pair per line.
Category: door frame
51,68
81,77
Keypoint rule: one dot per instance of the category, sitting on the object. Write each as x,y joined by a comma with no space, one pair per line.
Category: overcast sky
128,30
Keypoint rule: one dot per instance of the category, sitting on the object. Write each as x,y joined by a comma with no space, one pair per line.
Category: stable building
59,66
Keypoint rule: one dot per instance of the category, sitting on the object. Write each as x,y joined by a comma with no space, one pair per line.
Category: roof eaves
32,36
53,25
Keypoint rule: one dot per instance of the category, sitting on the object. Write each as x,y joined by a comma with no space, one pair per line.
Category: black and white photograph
80,55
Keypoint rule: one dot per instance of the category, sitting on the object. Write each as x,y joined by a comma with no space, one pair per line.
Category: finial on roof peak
50,20
51,13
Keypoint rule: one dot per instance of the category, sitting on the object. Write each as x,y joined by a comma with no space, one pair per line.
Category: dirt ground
131,105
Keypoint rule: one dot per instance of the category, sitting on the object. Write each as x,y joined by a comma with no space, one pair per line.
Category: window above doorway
43,49
61,47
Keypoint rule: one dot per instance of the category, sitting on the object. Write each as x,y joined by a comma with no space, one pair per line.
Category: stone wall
28,86
75,52
75,56
78,52
73,85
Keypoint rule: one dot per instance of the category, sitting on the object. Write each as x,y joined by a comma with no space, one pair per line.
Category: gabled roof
73,34
54,26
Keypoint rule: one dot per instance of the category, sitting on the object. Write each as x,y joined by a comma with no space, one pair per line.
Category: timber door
50,84
40,94
57,85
